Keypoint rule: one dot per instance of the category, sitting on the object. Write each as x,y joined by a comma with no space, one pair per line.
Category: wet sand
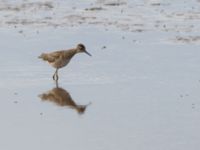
177,19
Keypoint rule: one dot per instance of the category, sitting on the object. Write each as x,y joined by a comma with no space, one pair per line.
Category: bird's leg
56,83
55,75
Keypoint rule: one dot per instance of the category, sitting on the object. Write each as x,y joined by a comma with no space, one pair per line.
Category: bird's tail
43,56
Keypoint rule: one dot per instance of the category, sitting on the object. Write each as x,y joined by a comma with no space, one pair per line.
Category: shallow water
142,95
142,89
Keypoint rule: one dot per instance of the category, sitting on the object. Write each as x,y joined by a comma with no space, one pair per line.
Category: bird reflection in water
61,97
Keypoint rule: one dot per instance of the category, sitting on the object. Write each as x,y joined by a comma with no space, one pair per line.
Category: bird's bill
88,53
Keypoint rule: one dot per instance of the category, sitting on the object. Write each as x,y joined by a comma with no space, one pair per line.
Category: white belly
60,63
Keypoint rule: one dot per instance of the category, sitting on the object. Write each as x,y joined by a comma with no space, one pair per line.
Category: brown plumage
59,59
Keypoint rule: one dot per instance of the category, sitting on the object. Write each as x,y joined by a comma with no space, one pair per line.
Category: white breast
60,63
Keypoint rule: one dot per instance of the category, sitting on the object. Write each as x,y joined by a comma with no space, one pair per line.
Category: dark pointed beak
88,53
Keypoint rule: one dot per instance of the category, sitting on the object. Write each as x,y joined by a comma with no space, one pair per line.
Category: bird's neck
70,53
74,51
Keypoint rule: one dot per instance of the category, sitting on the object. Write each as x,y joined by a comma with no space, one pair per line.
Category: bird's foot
55,77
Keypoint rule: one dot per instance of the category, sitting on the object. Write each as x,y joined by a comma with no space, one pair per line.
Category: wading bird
59,59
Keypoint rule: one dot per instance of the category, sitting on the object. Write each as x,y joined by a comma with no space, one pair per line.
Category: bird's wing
52,57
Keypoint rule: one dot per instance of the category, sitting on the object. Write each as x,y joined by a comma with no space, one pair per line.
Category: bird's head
81,49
